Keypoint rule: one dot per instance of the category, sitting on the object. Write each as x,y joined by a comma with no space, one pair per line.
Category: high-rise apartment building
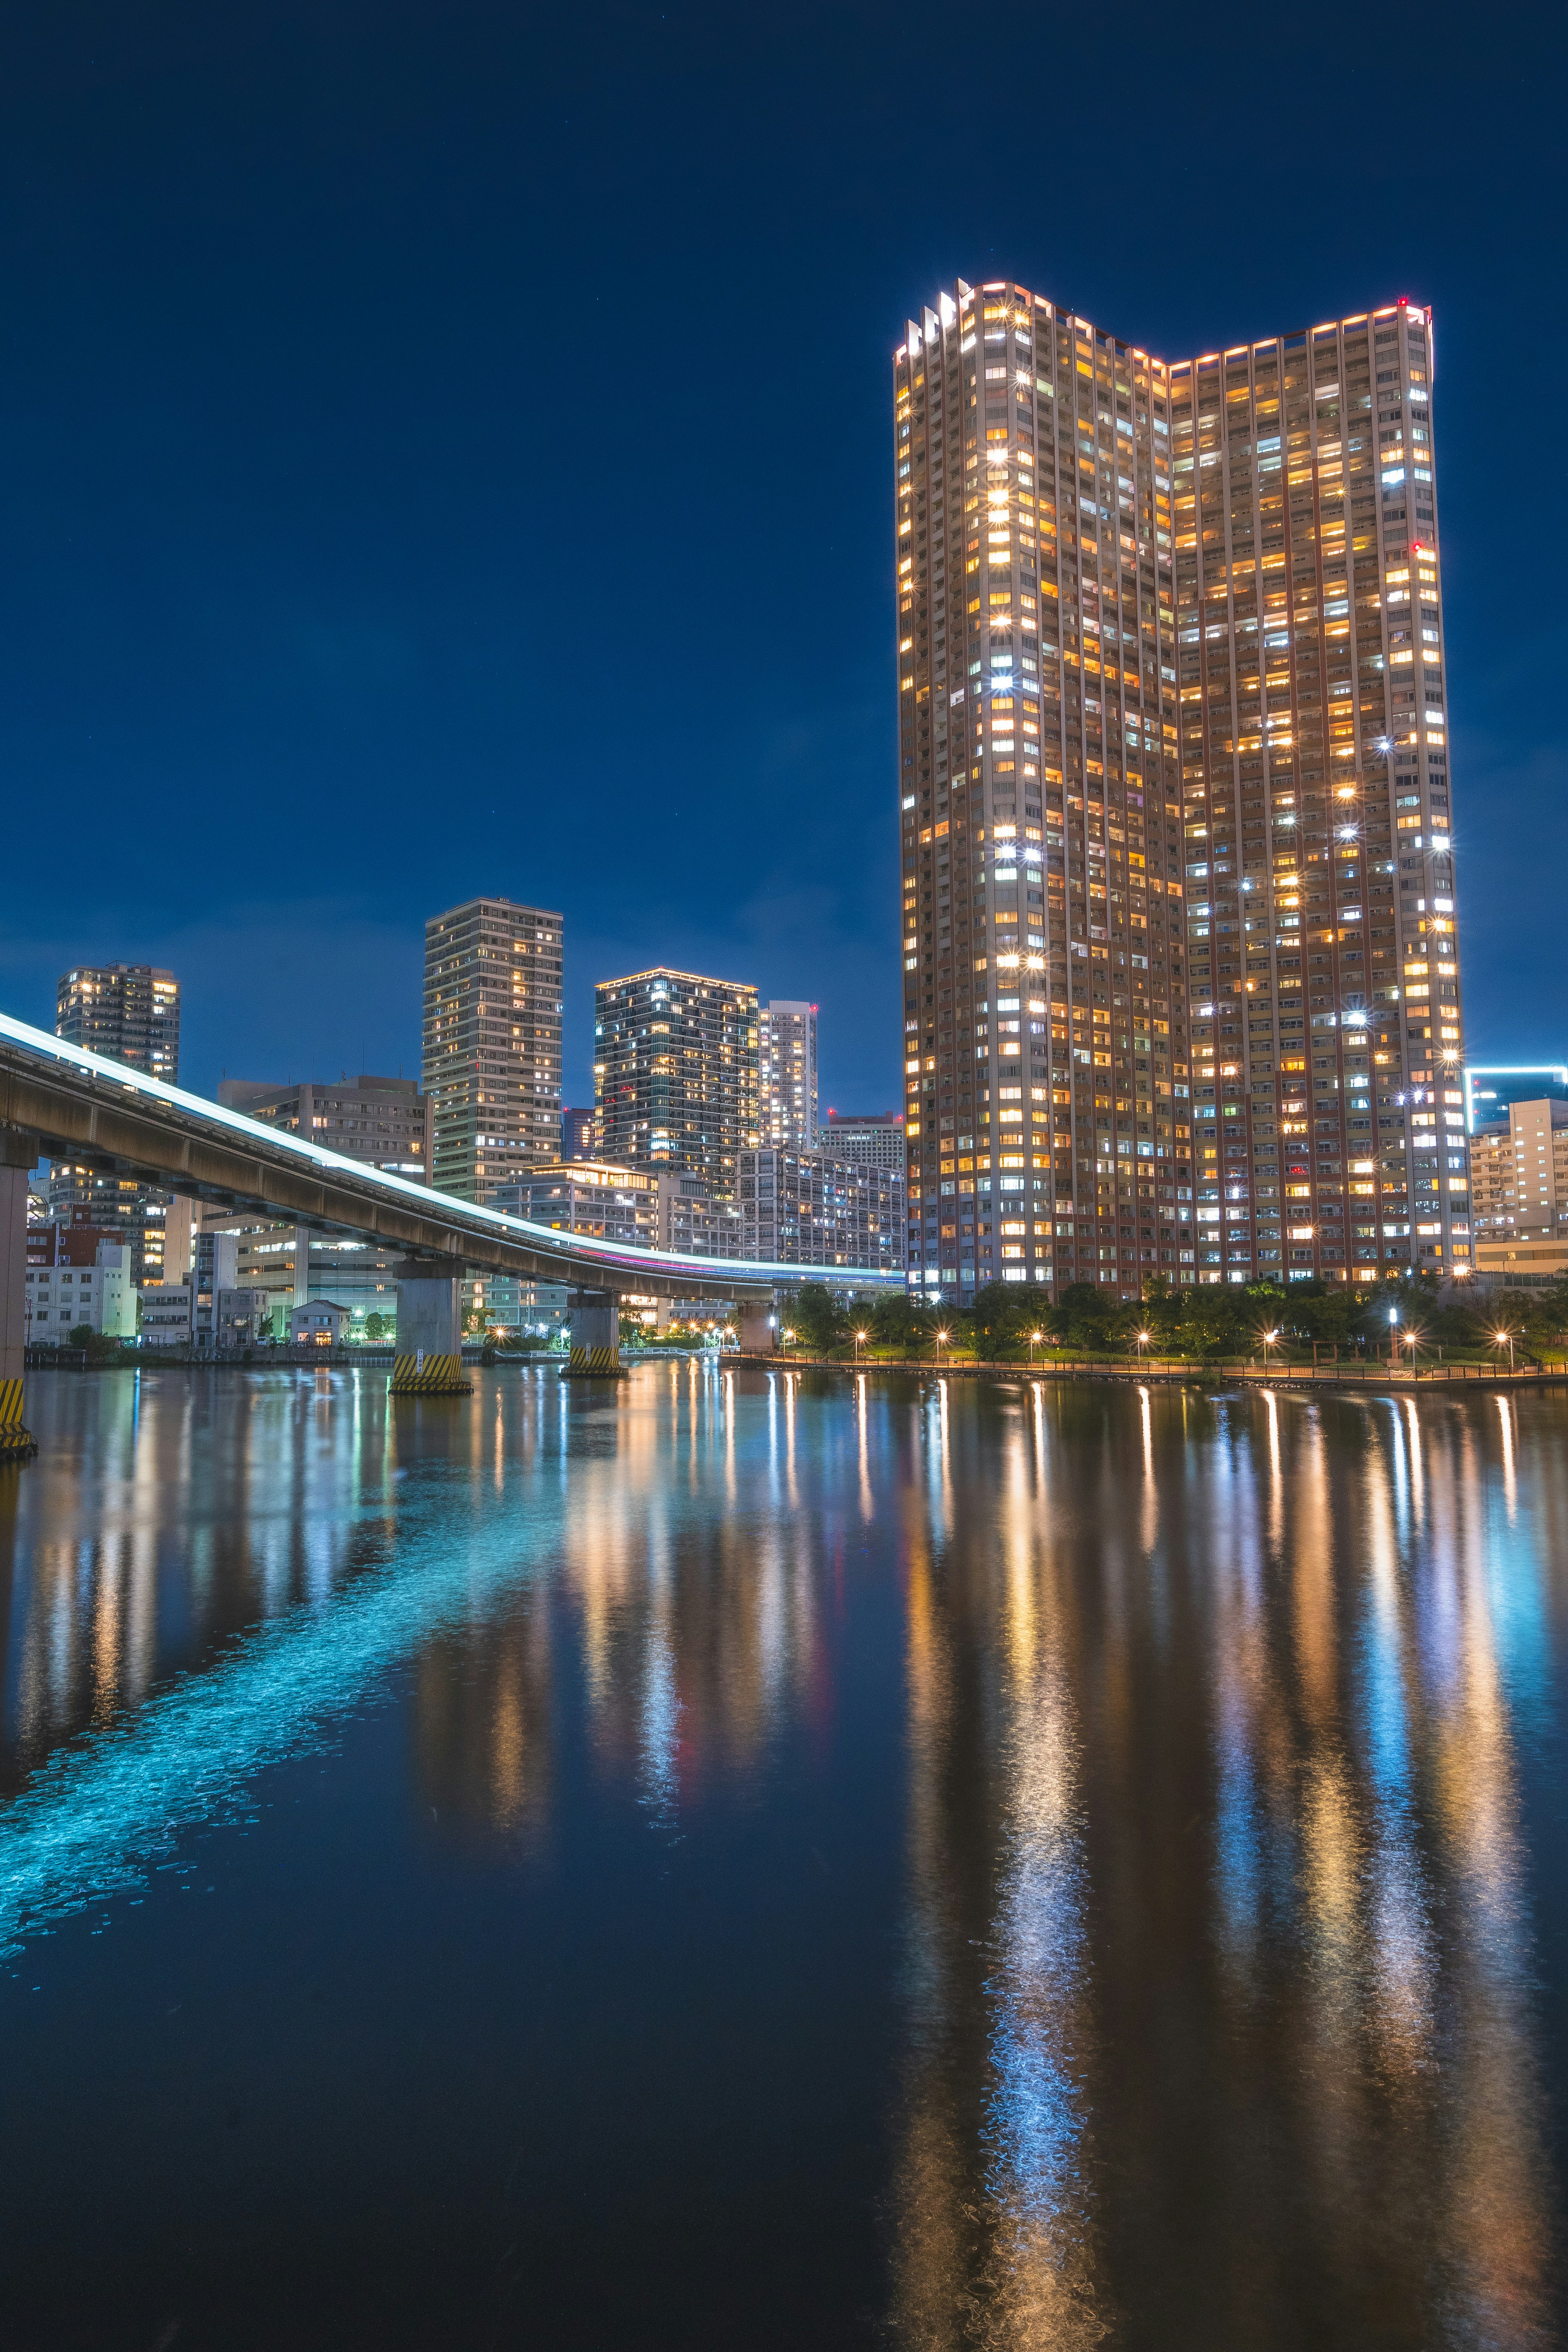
876,1136
675,1072
1181,980
492,1043
130,1013
787,1075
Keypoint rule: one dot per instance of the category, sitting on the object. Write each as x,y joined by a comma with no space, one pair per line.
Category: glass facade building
1181,976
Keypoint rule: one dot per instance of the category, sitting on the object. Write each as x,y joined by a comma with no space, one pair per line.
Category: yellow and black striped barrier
594,1363
429,1376
15,1437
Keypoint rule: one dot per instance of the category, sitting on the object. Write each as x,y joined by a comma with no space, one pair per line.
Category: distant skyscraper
787,1075
492,1043
130,1013
876,1137
577,1134
675,1072
1181,981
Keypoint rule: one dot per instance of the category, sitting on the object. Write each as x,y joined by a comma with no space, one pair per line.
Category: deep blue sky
444,449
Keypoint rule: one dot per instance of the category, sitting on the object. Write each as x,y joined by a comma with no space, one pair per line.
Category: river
749,1861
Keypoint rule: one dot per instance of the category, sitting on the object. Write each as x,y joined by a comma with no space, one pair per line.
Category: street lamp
941,1339
1268,1340
1142,1338
1035,1340
1498,1338
859,1336
786,1336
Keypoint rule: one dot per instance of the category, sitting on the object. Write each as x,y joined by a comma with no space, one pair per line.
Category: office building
1519,1181
787,1075
806,1208
1181,980
492,1043
387,1122
577,1134
876,1136
1491,1089
131,1014
75,1275
675,1072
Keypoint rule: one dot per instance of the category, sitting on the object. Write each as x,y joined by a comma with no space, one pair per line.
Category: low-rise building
66,1288
168,1310
319,1323
808,1208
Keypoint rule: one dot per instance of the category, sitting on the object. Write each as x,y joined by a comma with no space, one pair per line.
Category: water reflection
1204,1722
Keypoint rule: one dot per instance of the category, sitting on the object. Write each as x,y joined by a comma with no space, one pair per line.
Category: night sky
446,449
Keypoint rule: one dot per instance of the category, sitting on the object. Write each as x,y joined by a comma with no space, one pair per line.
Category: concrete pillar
429,1358
17,1152
759,1336
595,1335
661,1315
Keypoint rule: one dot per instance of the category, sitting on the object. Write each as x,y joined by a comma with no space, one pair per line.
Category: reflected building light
1509,1475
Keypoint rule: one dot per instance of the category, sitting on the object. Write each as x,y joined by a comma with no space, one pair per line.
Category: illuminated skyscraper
130,1012
492,1043
675,1072
787,1075
1181,981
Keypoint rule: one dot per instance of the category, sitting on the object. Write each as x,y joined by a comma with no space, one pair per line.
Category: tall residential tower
492,1043
129,1012
1180,982
787,1075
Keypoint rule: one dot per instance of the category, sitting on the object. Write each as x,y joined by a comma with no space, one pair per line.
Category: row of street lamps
1144,1338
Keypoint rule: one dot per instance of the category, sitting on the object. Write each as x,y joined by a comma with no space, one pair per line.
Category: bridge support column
595,1335
17,1152
429,1359
758,1335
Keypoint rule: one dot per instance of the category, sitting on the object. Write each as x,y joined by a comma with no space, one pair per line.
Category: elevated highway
59,1102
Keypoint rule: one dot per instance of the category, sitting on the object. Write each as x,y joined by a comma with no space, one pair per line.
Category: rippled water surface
760,1862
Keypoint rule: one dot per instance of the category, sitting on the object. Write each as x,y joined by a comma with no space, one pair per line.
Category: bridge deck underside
102,1125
